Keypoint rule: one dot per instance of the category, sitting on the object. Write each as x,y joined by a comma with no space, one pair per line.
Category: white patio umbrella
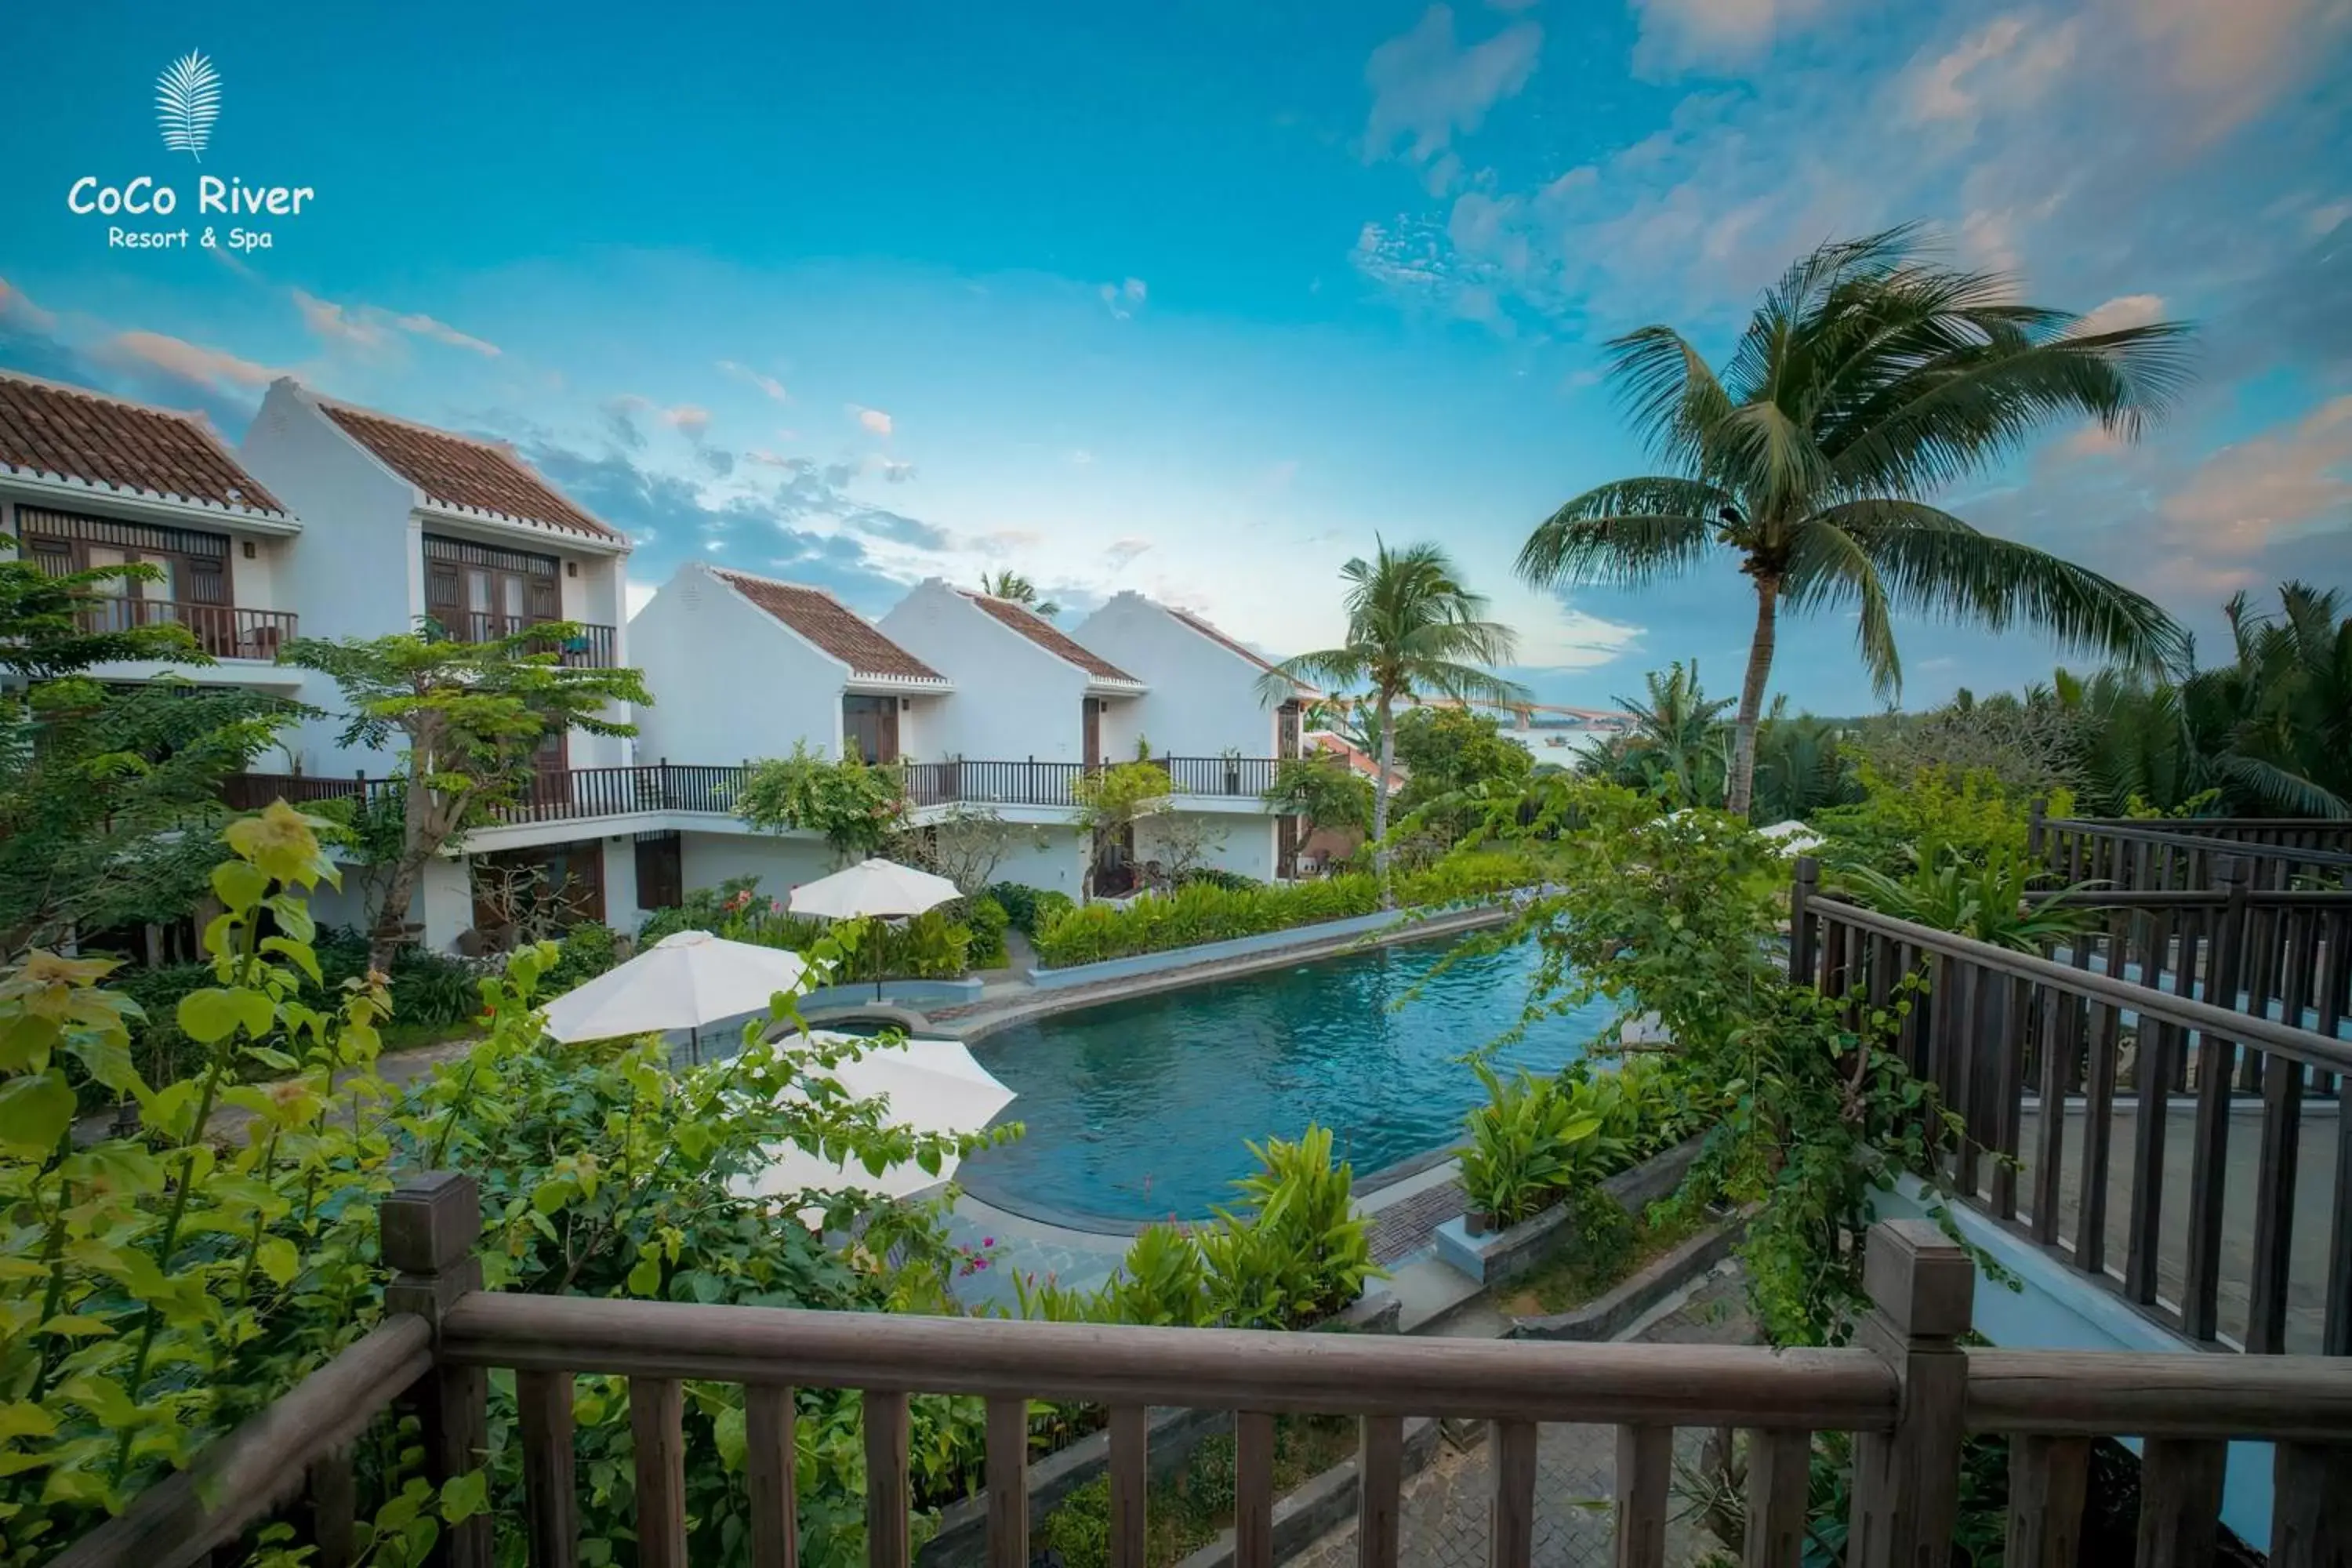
1794,835
877,888
683,982
932,1086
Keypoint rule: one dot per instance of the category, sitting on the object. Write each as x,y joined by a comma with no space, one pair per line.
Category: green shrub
1218,877
1028,908
587,951
1526,1146
986,920
1204,912
931,946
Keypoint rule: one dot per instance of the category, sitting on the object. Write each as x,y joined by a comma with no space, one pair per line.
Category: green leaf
463,1497
304,958
21,1418
208,1015
239,885
34,1111
645,1278
276,1258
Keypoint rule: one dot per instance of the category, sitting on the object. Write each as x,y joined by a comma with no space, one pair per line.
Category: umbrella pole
693,1044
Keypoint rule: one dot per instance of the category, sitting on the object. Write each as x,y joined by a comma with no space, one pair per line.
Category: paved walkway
1444,1517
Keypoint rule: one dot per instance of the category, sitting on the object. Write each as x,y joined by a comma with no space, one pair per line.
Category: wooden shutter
546,600
53,556
445,598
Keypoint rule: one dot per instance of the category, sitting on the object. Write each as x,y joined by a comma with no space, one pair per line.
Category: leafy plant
855,807
986,921
1983,900
1529,1144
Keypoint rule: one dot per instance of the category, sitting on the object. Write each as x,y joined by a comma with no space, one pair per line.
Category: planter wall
1169,1437
1504,1255
1211,952
1610,1315
1305,1516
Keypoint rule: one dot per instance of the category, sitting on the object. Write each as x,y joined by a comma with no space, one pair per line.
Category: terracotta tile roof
1047,636
48,429
461,472
1221,640
832,626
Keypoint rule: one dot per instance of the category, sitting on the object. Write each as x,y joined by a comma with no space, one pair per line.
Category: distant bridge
1590,720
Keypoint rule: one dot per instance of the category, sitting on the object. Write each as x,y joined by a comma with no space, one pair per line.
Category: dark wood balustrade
2010,1039
1908,1390
224,631
566,794
587,645
2169,854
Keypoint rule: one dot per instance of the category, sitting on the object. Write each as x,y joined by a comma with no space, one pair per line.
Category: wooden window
869,729
192,567
661,870
477,592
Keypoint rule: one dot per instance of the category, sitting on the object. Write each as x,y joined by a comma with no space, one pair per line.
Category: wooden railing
2003,1034
1907,1389
2170,855
588,645
224,631
579,793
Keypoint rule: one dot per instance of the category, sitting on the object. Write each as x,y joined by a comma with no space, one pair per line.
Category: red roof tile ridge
502,448
198,423
1047,636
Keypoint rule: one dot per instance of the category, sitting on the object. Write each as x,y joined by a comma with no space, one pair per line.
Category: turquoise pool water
1139,1110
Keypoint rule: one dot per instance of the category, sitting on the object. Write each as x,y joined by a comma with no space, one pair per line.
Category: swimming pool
1139,1110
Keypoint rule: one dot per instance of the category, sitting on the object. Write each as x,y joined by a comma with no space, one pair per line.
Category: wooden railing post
1801,919
1906,1482
429,1226
2037,821
2209,1154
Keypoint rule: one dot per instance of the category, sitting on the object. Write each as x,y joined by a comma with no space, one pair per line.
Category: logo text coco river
187,101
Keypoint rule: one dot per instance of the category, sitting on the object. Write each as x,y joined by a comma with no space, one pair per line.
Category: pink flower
988,1241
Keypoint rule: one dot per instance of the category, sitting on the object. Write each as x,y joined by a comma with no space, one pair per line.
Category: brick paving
1407,1225
1445,1515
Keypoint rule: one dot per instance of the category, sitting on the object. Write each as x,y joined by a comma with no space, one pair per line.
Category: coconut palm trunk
1741,786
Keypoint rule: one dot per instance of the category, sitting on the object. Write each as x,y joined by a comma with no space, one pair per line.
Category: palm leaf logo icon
187,101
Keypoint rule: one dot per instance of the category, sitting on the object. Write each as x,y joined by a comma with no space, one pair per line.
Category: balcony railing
2167,853
1908,1390
576,792
588,645
224,631
2152,1030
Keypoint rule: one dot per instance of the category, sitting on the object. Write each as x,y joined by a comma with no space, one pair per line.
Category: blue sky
1196,299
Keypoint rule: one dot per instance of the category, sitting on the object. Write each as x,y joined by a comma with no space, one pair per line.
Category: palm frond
1933,564
1629,534
2279,788
1828,566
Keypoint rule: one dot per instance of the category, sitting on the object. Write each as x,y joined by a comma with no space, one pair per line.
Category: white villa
334,521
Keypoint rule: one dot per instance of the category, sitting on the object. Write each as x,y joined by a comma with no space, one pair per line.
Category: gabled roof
51,431
464,474
1221,640
1049,636
832,626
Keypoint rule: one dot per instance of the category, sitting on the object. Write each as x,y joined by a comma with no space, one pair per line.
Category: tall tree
1010,584
1412,630
1867,380
472,715
1674,749
108,795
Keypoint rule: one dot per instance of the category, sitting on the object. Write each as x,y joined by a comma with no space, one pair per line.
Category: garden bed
1496,1256
1576,1297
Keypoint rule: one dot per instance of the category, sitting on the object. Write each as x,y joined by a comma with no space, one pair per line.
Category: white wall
1203,696
780,861
1055,859
730,682
444,901
1012,699
355,572
621,911
1244,845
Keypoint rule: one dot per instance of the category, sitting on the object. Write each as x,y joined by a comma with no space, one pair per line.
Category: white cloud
1427,88
2122,311
873,419
1121,553
371,327
768,384
1677,33
17,307
215,368
2290,477
688,420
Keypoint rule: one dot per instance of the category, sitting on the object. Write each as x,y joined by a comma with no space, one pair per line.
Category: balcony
1908,1390
223,631
588,646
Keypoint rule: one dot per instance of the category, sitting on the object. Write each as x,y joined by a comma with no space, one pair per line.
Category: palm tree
1410,626
1010,584
1866,380
1674,749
